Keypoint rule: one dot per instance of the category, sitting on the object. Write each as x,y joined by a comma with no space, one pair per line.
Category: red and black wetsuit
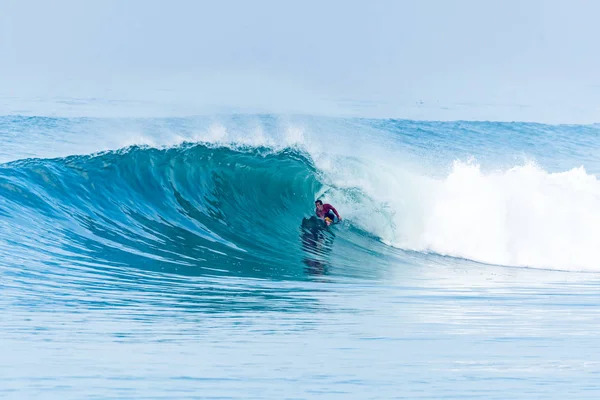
327,212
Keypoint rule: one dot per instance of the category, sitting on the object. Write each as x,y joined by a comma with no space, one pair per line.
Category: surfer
326,212
317,239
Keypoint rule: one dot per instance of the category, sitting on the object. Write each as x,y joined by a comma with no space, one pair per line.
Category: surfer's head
319,205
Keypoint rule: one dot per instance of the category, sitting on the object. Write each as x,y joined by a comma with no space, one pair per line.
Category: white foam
523,216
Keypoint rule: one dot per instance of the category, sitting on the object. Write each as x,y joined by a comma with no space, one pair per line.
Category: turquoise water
155,258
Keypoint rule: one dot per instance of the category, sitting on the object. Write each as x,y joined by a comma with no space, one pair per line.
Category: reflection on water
317,242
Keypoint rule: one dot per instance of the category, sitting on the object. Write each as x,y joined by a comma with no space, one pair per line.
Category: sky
422,59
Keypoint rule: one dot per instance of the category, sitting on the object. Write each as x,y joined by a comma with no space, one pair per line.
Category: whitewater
149,257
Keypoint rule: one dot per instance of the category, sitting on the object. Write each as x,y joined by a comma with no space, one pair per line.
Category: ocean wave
230,201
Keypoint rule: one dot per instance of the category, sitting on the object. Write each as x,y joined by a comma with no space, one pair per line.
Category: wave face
199,197
194,207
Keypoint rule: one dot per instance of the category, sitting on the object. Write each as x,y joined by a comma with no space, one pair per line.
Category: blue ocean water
164,258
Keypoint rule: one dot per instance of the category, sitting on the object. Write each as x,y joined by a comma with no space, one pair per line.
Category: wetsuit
328,211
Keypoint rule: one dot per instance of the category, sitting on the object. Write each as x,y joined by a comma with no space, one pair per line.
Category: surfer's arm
335,212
